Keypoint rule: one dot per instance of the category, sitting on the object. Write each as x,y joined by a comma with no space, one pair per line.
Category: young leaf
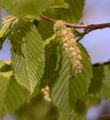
23,8
69,88
47,41
100,83
60,4
6,28
12,95
28,56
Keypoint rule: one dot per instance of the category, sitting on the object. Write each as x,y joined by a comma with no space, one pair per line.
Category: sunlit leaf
23,8
68,89
5,30
28,56
60,4
12,95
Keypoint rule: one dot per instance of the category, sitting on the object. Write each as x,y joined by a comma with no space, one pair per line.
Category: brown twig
68,24
92,27
48,19
86,28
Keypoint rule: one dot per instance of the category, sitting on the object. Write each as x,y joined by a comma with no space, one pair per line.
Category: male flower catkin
68,42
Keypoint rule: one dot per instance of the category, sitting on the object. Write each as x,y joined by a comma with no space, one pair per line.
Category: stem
67,24
48,19
92,27
86,28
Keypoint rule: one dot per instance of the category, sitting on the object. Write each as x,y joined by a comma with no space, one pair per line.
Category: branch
67,24
92,27
100,64
48,19
86,28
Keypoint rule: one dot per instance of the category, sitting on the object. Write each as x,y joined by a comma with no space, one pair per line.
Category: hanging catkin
68,42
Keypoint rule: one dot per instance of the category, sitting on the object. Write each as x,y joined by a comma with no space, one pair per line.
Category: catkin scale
68,42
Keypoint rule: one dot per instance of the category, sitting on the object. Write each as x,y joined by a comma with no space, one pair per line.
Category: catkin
68,41
46,93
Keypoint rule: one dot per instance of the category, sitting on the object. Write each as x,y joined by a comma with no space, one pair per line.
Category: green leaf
6,28
100,83
52,61
26,7
28,56
45,28
60,4
69,88
37,109
5,66
12,95
79,117
80,110
23,8
72,14
53,66
65,116
47,41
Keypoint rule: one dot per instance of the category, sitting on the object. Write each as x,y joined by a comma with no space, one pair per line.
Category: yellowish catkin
46,93
68,41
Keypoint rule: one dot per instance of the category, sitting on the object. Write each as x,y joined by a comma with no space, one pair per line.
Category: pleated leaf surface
69,88
28,56
12,95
